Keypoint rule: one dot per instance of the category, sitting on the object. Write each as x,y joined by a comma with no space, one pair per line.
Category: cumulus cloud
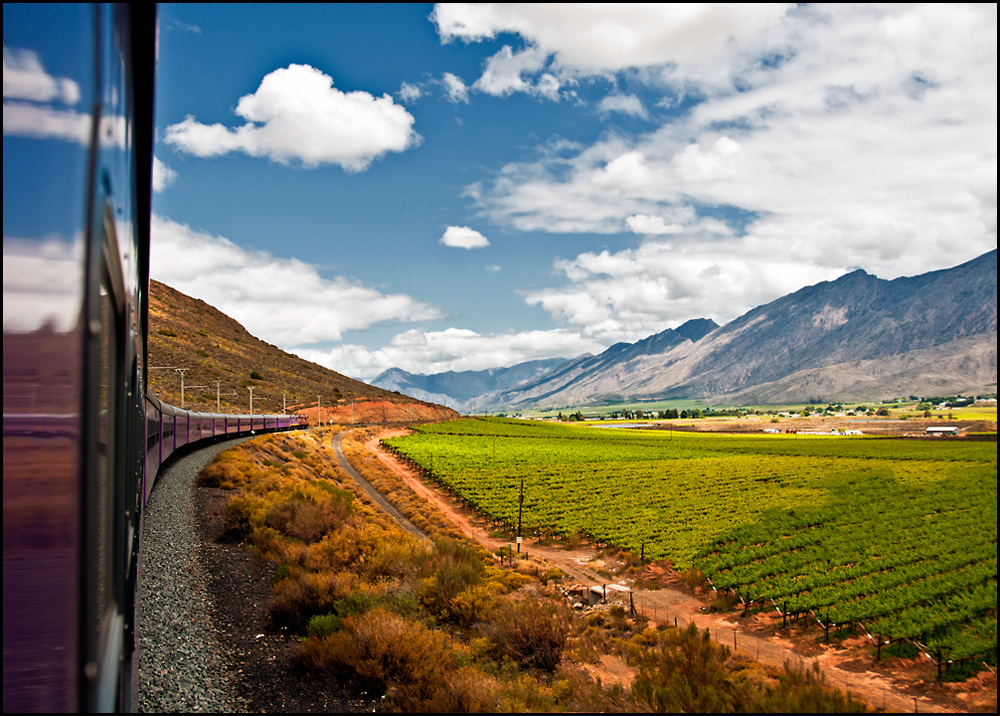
458,349
297,114
163,176
623,104
508,71
462,237
597,38
818,139
652,225
410,93
455,88
636,292
847,136
284,301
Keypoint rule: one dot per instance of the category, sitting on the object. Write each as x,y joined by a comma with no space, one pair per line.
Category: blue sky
460,187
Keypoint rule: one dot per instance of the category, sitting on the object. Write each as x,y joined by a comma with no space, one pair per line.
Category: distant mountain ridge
461,389
856,338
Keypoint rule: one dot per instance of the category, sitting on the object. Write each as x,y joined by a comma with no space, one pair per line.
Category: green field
897,534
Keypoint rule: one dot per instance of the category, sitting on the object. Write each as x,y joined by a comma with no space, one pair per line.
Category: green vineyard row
897,534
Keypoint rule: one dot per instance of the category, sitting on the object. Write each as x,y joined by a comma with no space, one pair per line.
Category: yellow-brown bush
531,631
421,669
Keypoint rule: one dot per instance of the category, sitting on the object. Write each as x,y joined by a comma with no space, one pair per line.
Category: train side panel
77,171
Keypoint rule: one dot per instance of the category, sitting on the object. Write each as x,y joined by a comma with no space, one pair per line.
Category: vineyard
896,535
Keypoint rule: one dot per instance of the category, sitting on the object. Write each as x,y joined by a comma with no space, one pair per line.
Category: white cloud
187,27
462,237
636,292
283,301
25,78
455,87
410,93
596,38
42,283
163,176
859,136
297,114
652,225
624,104
43,122
455,349
39,105
506,73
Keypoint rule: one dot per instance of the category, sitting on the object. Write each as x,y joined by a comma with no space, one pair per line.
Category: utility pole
250,388
520,505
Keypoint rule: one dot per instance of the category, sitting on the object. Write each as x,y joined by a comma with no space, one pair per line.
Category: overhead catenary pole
181,371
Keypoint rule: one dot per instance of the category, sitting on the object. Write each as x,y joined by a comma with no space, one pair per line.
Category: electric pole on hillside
218,396
181,371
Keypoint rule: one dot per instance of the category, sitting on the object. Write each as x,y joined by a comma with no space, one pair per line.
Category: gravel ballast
181,667
205,639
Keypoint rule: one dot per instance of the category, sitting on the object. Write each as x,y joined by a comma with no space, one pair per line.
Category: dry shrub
403,557
694,578
222,473
299,519
474,604
236,520
459,567
438,591
507,580
348,548
684,670
304,511
532,632
275,546
525,694
296,600
419,668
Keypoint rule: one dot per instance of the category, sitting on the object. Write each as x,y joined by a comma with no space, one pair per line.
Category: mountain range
858,338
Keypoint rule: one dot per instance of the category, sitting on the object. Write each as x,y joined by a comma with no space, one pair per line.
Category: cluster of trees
669,414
